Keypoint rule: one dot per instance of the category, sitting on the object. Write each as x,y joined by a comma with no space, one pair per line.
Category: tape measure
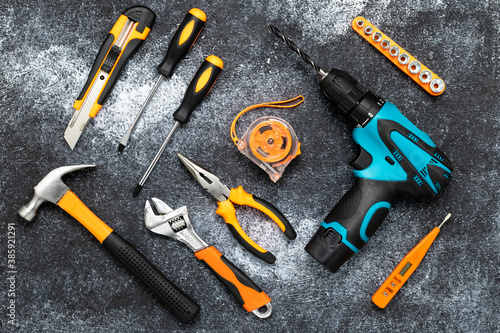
270,142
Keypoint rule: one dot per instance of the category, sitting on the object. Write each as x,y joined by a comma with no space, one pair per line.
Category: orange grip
238,283
76,208
240,197
403,270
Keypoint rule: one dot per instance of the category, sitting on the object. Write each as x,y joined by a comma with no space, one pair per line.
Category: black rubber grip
289,231
360,212
197,90
107,55
240,276
176,51
129,50
103,51
266,256
180,304
110,60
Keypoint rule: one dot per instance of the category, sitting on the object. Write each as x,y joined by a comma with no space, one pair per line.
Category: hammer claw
51,188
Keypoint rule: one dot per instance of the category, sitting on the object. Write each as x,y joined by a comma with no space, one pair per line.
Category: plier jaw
227,197
207,180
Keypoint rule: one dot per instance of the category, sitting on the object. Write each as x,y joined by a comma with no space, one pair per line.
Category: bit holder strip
419,73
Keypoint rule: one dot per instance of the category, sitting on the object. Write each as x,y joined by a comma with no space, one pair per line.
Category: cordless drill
394,158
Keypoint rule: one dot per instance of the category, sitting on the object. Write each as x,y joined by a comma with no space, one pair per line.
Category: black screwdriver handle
183,40
180,304
199,87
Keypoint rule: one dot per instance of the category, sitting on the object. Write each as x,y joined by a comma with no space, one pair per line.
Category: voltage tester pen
405,268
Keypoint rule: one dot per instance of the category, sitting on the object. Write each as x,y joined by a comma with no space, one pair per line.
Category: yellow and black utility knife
131,28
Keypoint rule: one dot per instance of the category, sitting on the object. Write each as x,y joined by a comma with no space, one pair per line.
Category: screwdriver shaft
295,48
127,135
155,160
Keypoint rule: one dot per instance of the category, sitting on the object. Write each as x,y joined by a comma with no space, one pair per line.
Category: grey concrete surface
66,282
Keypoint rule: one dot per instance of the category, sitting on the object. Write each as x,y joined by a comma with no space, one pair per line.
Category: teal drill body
394,158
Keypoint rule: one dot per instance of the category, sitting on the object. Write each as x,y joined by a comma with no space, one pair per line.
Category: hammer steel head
51,188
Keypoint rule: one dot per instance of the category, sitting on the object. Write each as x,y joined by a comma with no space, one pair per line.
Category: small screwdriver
181,43
405,268
199,87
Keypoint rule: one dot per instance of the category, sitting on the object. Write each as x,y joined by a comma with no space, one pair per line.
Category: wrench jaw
172,223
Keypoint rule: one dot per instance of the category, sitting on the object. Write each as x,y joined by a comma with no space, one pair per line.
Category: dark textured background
67,282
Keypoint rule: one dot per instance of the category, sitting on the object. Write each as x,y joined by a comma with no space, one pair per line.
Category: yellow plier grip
240,197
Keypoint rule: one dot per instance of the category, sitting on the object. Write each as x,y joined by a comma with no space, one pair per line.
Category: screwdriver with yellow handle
405,268
181,43
197,90
129,31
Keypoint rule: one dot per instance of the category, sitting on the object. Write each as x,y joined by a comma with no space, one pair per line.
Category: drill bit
294,47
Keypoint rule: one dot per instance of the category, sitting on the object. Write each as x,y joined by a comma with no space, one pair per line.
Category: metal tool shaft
155,160
127,135
295,48
445,219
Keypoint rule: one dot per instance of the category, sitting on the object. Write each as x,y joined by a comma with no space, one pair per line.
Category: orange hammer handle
238,283
180,304
76,208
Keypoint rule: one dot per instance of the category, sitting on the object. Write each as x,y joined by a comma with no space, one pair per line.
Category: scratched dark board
65,281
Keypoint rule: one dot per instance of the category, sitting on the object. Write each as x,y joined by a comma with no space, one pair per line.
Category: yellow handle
240,197
130,34
76,208
227,211
189,28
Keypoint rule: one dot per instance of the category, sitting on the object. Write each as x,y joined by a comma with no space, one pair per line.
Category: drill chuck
350,98
394,158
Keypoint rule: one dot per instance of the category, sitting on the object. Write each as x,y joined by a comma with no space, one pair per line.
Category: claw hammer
52,189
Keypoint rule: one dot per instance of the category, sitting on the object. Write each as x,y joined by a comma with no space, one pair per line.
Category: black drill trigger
362,160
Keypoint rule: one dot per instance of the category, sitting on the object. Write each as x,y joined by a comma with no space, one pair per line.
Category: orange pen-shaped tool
405,268
176,224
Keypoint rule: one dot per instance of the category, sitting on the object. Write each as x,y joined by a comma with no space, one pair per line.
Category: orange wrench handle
238,283
76,208
240,197
227,211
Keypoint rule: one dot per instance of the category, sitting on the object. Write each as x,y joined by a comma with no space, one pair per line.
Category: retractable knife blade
129,31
